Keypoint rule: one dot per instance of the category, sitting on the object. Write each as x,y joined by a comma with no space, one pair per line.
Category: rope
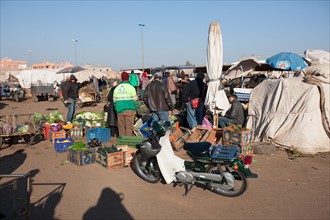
315,81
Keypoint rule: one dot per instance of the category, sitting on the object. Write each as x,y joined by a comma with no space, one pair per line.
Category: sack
106,107
196,102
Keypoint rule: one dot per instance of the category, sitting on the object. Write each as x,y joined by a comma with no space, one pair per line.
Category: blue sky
174,32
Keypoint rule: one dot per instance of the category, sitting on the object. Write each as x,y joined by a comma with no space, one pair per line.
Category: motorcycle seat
198,149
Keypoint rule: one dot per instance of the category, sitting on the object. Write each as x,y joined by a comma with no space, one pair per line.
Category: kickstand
187,189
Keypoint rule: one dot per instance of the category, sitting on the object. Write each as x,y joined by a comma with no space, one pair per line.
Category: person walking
70,94
195,90
144,82
157,99
126,103
172,86
234,115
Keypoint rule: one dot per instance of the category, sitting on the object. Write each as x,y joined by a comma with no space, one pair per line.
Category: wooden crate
58,134
242,137
110,160
215,136
198,134
178,138
82,157
247,149
128,153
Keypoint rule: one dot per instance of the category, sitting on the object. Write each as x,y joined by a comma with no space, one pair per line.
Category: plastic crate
102,134
131,141
61,146
224,152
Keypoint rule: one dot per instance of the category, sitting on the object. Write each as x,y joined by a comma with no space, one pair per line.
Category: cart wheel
29,139
79,104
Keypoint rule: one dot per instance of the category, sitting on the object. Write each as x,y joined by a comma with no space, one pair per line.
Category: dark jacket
157,98
236,112
194,89
112,114
69,90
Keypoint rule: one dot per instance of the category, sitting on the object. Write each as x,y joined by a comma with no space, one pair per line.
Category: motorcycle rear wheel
146,168
240,182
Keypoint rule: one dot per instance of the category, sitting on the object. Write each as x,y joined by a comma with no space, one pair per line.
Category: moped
220,169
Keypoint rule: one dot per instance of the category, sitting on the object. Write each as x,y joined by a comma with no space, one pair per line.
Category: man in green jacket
134,80
126,103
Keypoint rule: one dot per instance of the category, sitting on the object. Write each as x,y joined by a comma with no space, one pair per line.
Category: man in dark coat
235,115
70,94
157,99
112,114
193,90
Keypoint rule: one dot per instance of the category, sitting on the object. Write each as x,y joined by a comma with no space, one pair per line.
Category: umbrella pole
215,119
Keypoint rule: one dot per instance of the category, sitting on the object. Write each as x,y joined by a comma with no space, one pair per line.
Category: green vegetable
55,117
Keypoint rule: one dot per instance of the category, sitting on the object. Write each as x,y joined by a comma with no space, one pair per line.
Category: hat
200,75
124,76
144,75
73,77
158,74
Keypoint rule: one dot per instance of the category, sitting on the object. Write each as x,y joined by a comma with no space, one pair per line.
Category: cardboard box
110,160
128,153
247,150
82,157
242,137
56,134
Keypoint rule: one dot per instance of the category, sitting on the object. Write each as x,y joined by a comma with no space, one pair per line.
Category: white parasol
216,98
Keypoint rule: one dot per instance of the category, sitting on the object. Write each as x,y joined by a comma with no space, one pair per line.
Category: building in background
49,65
7,64
97,68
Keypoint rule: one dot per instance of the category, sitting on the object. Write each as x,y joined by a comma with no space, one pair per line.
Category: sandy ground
285,189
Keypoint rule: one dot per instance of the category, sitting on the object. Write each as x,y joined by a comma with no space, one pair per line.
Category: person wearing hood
144,83
70,94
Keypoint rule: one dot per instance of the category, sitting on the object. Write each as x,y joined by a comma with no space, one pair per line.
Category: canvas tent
287,112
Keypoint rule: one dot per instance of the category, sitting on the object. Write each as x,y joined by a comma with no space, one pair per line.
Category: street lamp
30,56
75,51
142,25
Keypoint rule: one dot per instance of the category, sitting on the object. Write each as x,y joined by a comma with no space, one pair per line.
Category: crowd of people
162,94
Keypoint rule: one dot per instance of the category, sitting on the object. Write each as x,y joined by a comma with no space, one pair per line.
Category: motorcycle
220,169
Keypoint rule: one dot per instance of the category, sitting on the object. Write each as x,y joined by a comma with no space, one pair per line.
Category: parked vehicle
13,92
42,92
219,169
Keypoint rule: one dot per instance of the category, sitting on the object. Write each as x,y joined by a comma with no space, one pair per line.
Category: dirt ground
285,189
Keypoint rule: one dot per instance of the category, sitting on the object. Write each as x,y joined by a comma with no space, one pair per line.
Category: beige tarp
287,113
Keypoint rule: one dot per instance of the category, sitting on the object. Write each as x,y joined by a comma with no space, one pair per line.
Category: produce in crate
89,119
55,117
94,143
111,149
77,146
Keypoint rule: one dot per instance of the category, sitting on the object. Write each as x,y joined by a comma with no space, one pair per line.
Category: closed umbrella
216,98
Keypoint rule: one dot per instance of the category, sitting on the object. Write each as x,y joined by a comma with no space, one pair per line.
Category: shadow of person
109,206
9,163
44,208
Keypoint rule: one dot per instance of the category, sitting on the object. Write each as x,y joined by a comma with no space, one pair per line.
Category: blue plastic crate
102,134
224,152
62,147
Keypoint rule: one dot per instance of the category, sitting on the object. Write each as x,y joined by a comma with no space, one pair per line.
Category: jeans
126,123
159,116
224,122
194,115
71,110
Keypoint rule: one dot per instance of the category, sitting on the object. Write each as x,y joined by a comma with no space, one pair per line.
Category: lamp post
75,51
30,56
142,25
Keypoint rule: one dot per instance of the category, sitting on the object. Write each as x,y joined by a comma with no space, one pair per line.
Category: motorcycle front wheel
234,184
146,168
